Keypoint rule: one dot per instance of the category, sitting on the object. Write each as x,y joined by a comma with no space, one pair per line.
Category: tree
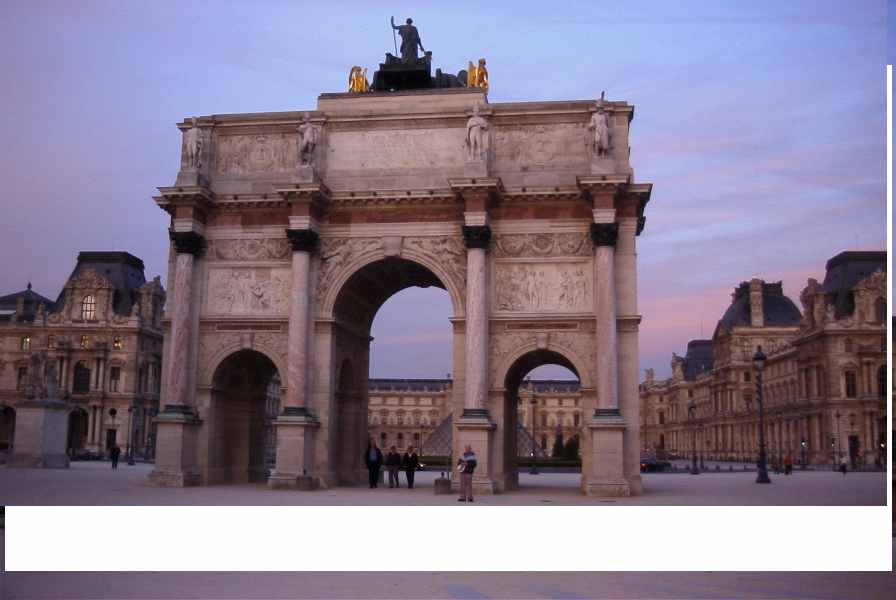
571,449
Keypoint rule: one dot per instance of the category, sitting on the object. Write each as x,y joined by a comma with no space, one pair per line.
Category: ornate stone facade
103,341
303,242
824,384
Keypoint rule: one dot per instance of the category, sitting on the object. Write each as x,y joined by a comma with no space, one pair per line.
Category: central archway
360,297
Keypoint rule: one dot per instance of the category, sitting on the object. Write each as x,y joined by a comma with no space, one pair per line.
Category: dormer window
88,308
117,343
85,342
25,343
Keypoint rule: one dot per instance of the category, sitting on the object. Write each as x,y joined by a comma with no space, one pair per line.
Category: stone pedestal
476,168
602,165
191,178
476,430
305,174
607,476
177,435
295,443
41,435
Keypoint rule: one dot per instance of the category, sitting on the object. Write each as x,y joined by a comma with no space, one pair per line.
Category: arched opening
7,428
81,379
245,401
77,430
393,336
544,407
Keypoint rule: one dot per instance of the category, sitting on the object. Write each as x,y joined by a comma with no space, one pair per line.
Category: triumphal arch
289,230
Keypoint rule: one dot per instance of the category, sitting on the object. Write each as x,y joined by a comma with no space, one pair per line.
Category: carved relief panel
248,249
248,291
542,287
251,154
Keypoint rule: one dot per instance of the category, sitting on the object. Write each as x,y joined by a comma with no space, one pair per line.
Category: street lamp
532,401
692,410
759,363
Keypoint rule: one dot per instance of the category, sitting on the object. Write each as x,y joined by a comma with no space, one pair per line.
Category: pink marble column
303,242
604,237
477,238
177,397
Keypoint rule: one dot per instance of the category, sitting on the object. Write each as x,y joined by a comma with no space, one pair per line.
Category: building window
847,345
882,381
116,343
81,380
25,343
85,341
22,378
400,437
51,341
544,442
544,420
575,420
383,438
747,376
114,378
88,308
850,377
690,393
662,418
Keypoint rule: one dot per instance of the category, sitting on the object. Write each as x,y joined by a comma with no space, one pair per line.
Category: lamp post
839,447
532,402
759,363
130,449
692,410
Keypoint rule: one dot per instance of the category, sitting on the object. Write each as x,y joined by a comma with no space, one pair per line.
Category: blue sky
760,124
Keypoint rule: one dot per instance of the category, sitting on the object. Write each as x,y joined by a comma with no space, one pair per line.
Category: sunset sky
760,124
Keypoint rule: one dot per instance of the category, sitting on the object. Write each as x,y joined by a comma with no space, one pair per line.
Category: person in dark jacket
114,453
393,465
410,463
466,465
373,458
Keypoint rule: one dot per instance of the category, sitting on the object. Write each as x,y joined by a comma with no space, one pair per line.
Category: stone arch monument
283,249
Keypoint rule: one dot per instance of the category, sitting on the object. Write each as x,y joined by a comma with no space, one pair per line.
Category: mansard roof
843,272
123,270
777,309
698,359
30,301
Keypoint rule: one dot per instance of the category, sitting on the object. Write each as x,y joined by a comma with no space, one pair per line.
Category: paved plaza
95,483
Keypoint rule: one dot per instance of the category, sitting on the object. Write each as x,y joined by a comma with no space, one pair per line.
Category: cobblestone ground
94,483
464,586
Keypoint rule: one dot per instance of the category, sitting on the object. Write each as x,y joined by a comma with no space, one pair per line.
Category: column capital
604,234
187,242
303,240
477,236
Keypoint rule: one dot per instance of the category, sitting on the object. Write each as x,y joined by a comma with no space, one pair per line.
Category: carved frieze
250,154
249,249
248,291
542,287
541,244
335,253
541,145
447,251
210,344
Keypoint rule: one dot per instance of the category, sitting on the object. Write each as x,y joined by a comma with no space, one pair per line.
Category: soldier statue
410,40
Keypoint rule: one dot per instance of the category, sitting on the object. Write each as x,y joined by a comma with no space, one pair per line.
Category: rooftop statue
357,80
410,40
477,76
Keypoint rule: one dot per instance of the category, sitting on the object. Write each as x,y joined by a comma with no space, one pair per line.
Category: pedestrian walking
410,462
393,465
466,464
788,465
843,465
373,458
114,453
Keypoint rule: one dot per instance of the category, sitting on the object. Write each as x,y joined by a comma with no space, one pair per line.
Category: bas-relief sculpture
248,290
542,287
249,154
248,249
448,252
395,149
557,145
542,244
337,252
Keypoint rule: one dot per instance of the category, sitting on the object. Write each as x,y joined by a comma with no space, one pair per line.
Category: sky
760,124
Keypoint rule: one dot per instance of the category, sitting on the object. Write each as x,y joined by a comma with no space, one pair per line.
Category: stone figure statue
600,126
357,80
308,136
410,40
37,367
477,136
193,143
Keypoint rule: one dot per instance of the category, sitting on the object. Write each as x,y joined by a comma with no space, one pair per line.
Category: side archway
7,428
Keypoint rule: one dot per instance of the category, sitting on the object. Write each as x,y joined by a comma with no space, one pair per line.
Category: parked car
650,464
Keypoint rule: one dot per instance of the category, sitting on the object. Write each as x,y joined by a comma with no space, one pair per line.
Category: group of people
409,462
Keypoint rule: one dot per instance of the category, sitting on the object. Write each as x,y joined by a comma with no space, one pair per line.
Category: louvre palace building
824,382
100,342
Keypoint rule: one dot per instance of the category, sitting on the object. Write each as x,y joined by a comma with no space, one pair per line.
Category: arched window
88,307
81,381
847,345
850,380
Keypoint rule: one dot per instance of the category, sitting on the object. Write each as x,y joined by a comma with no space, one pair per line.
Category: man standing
393,464
410,40
373,458
114,453
410,462
466,465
